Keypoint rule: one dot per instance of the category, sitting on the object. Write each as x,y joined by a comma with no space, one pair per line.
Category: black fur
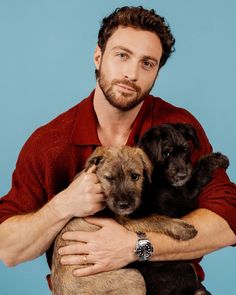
176,185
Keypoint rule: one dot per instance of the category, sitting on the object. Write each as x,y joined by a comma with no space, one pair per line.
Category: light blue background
46,52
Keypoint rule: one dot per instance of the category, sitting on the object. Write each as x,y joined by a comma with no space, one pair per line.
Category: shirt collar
84,131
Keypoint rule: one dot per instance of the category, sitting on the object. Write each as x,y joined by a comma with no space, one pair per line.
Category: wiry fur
176,185
123,173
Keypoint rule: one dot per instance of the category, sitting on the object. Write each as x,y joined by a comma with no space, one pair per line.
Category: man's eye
135,176
122,55
148,65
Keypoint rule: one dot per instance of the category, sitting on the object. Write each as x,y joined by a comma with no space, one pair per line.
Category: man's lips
126,88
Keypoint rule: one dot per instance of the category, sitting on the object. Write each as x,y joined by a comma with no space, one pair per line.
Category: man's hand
84,196
109,248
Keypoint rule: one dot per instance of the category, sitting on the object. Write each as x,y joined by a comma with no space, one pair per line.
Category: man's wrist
143,248
133,240
59,205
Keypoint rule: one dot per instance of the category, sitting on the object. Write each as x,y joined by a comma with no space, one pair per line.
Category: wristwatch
143,248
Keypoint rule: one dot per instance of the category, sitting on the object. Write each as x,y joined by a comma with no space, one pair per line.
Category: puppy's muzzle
123,204
180,178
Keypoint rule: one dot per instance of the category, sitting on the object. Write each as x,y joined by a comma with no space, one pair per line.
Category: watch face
144,250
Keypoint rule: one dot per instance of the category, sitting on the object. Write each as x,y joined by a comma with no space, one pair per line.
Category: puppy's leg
203,173
175,228
117,282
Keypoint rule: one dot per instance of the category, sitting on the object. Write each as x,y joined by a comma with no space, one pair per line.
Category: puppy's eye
134,176
186,149
166,154
108,177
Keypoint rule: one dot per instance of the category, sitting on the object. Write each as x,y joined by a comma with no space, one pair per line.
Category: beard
122,101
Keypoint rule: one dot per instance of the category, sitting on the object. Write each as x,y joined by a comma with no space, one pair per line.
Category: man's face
128,67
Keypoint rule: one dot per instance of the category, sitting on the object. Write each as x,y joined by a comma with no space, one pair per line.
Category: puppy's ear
189,132
148,168
97,158
151,143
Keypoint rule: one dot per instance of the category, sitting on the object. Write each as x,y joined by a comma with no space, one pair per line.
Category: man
133,44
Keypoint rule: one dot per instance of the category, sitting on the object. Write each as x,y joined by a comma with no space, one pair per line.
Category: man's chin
122,104
124,108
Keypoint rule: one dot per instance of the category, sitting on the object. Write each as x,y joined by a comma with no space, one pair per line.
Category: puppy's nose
123,204
181,175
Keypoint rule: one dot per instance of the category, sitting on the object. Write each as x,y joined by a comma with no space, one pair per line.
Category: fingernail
74,273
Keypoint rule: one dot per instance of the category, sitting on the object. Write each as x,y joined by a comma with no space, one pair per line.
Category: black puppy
176,185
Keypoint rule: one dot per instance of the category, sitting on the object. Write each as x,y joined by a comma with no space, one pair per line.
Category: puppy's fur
124,173
176,185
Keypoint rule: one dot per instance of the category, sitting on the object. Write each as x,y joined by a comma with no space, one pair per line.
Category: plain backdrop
46,66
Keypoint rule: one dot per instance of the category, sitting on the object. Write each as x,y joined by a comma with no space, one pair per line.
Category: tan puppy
123,173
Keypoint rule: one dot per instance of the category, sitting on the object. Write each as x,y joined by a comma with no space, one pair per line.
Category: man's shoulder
57,128
168,112
55,134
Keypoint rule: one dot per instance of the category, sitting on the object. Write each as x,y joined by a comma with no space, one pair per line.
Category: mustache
127,83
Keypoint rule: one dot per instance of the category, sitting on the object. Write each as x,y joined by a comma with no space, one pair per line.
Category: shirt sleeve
219,196
27,193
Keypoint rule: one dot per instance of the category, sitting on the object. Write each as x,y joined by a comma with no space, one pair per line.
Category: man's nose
132,71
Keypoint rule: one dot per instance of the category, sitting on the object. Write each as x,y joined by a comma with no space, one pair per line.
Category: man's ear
97,57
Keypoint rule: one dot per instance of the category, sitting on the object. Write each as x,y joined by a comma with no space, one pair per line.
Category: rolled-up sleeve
219,196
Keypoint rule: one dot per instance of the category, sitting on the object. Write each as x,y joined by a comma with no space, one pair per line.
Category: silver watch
143,249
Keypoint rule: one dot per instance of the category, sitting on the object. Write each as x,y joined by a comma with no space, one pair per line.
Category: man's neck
114,126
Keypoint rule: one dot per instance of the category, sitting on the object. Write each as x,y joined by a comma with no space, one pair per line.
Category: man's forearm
25,237
105,255
213,233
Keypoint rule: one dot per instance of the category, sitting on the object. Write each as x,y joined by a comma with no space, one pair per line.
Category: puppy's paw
181,230
214,160
220,160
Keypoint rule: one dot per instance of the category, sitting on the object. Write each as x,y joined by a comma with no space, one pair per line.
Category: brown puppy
123,173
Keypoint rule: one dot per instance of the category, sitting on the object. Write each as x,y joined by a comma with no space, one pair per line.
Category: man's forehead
139,41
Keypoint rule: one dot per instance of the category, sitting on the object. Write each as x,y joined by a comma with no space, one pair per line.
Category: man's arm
213,233
112,246
25,237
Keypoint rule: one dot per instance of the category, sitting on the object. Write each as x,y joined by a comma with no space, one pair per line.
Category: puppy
175,187
124,174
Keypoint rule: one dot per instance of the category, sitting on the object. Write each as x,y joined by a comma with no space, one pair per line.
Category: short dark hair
141,18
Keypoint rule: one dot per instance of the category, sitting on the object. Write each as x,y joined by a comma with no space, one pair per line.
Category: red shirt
56,152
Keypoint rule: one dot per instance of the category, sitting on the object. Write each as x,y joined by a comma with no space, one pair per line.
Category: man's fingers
89,175
92,169
75,248
99,197
78,236
83,260
85,271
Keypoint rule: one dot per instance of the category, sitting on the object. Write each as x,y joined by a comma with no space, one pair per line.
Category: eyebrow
145,57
